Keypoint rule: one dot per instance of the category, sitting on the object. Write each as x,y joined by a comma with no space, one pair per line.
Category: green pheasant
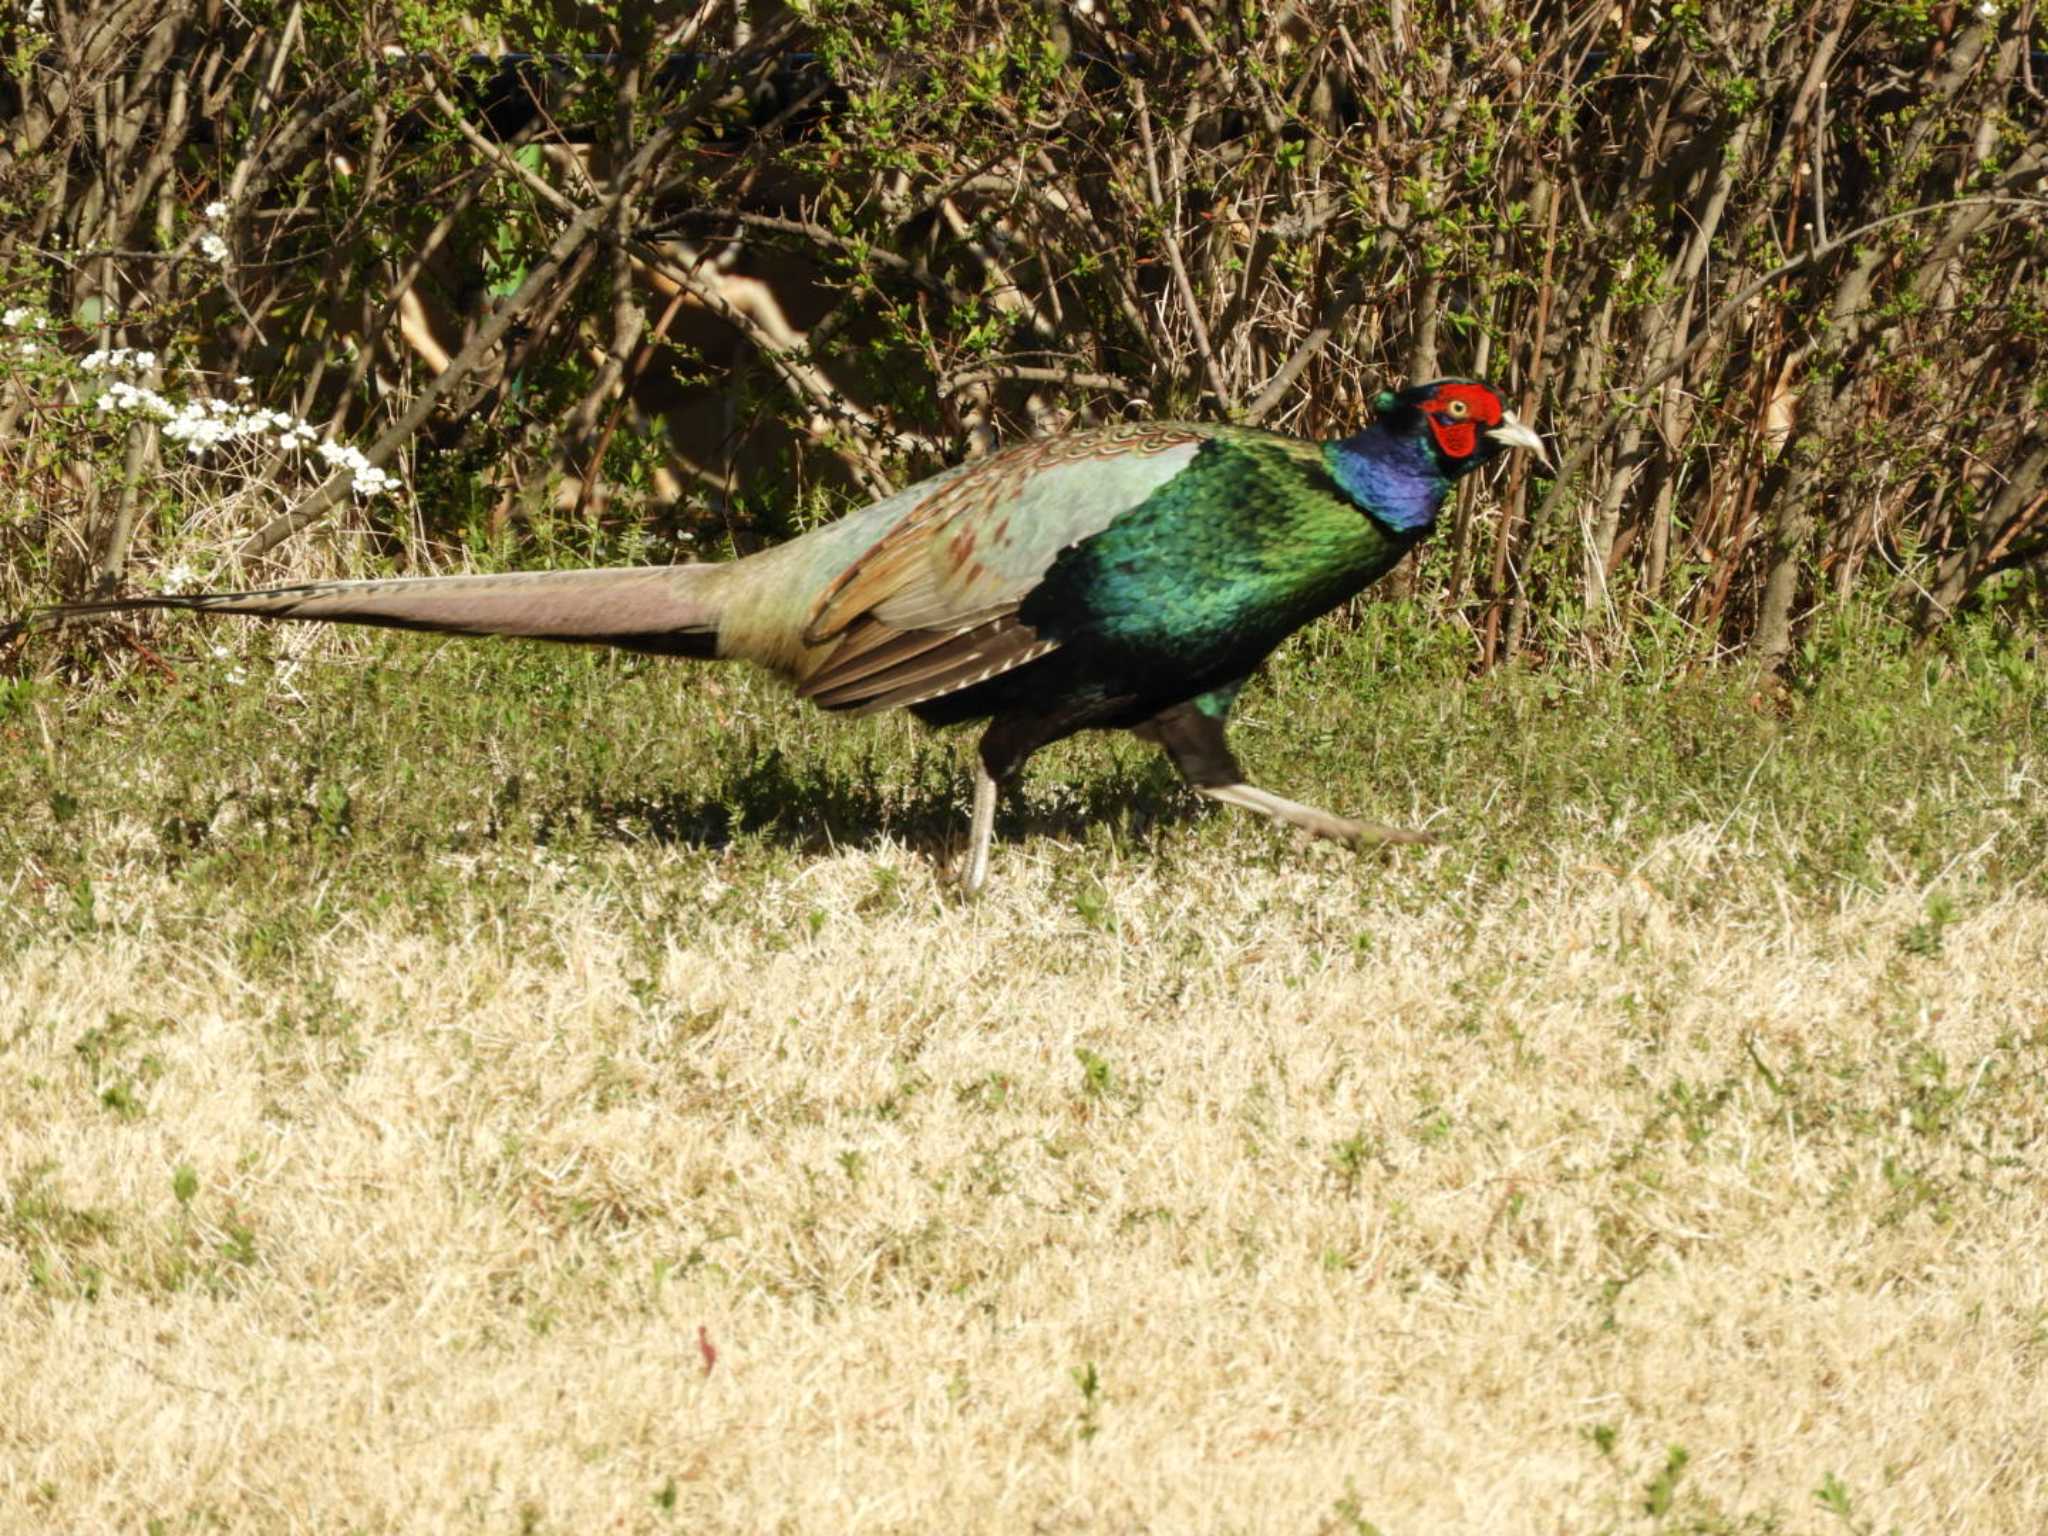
1130,578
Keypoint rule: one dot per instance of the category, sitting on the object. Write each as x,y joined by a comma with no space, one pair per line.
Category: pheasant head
1421,440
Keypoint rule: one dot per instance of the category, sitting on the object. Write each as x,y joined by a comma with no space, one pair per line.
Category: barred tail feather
662,610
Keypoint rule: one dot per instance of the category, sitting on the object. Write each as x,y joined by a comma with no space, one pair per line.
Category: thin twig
643,355
1326,326
162,667
1172,241
1072,378
1820,165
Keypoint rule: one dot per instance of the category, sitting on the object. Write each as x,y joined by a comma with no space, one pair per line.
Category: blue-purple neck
1394,477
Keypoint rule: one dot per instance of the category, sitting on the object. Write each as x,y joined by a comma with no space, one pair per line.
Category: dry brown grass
1457,1226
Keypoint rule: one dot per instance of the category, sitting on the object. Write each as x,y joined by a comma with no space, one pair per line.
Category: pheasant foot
1311,819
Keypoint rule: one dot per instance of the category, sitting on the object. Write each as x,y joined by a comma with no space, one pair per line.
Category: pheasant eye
1457,410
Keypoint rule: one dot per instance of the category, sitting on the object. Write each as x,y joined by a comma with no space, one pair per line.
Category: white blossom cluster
21,316
365,479
203,425
112,359
211,243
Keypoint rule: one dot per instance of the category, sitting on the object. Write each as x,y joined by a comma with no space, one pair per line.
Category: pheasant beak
1513,434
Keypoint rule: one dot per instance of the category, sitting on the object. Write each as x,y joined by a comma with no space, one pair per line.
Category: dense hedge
1772,276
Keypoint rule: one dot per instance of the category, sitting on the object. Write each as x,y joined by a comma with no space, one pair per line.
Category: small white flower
177,579
1988,11
372,482
216,210
14,318
243,381
344,456
214,248
27,349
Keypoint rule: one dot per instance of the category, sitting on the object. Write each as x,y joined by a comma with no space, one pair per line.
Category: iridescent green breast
1251,540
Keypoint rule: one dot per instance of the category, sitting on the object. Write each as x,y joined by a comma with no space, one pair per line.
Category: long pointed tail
664,610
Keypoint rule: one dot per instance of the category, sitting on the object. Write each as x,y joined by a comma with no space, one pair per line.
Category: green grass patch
438,774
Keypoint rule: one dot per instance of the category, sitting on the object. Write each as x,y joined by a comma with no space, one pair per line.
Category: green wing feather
929,606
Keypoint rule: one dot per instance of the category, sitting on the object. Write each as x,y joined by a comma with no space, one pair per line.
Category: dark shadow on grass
812,808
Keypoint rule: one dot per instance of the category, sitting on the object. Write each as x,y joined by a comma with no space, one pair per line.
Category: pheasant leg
979,832
1009,740
1192,736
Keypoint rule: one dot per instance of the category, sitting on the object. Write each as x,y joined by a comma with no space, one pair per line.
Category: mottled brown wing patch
865,651
877,668
903,555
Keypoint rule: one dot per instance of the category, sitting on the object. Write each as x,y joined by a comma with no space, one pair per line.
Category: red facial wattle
1458,413
1457,439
